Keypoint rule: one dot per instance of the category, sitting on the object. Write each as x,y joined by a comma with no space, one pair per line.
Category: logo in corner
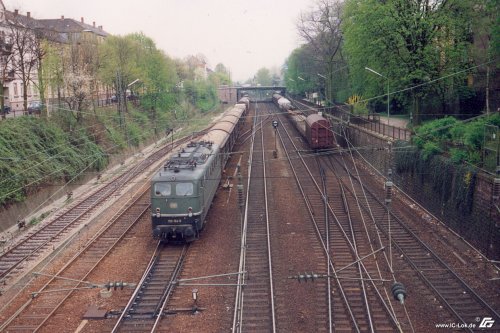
487,322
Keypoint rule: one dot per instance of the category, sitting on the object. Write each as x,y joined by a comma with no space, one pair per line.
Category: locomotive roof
188,163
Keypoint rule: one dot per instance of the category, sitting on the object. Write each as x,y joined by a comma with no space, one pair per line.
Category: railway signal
275,126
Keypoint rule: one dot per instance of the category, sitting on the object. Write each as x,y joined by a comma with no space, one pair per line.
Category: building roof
53,29
22,20
67,25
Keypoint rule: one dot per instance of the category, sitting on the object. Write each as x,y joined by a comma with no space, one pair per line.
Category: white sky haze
243,35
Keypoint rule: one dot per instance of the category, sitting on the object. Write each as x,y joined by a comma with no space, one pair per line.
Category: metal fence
53,105
370,122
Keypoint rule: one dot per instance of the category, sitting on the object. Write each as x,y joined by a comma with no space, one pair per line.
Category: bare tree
80,71
39,52
5,62
24,59
320,27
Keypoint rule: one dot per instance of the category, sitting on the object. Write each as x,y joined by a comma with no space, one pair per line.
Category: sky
244,35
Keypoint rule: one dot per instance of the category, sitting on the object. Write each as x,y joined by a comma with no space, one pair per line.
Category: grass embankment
36,152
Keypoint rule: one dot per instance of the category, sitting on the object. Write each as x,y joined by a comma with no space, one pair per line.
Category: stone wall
479,225
10,214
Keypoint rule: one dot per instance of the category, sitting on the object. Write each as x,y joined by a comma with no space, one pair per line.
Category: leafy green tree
411,43
119,67
220,76
220,68
301,74
263,77
52,70
485,29
158,77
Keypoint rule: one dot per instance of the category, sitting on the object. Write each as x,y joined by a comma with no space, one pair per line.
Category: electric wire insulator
496,189
115,285
307,277
399,292
388,192
241,201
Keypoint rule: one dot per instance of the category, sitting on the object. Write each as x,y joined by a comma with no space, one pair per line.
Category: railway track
457,296
147,305
37,311
254,302
360,302
463,304
34,244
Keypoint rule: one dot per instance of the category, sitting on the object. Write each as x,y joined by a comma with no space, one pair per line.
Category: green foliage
298,65
458,156
201,93
37,152
437,130
474,134
263,77
429,149
463,142
410,44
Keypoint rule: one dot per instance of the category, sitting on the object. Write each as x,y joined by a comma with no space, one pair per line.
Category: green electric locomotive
183,190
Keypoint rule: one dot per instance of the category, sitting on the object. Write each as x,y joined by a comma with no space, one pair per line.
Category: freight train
314,127
183,189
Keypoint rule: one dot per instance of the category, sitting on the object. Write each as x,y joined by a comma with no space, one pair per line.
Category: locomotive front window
184,189
163,189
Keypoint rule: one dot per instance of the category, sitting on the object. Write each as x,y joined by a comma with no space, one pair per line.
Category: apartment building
23,49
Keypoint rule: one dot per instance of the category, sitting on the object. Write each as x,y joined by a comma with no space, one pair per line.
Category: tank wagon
314,128
183,189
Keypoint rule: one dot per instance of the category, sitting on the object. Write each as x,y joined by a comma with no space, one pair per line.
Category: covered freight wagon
318,132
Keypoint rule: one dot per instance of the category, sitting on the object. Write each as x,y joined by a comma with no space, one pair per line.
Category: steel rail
363,287
381,298
327,241
93,200
438,259
318,232
152,271
170,288
136,291
271,296
238,310
252,248
77,256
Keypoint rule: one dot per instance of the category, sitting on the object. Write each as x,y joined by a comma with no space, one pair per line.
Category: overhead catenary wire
62,186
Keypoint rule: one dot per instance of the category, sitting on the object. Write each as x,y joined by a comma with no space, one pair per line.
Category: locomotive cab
176,209
180,191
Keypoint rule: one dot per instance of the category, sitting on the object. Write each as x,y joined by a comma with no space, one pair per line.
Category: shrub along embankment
35,152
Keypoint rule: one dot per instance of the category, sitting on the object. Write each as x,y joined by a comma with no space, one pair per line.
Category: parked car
114,99
6,109
132,97
35,107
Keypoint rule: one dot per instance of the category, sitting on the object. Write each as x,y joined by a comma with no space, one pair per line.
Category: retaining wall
480,225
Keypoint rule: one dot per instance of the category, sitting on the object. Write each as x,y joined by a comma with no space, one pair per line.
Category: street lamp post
324,86
377,73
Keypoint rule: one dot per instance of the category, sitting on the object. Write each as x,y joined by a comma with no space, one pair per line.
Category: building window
15,90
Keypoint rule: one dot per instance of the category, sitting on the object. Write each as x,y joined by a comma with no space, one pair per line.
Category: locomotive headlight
190,211
157,212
